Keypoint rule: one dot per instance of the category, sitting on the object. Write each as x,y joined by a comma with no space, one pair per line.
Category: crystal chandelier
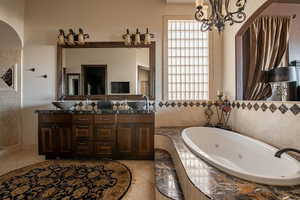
217,12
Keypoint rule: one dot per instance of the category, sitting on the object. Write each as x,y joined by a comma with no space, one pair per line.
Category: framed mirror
268,53
105,70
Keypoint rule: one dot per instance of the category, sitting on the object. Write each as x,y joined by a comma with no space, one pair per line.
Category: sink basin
105,105
137,105
64,105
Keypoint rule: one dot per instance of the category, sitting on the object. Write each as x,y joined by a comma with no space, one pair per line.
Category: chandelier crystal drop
216,13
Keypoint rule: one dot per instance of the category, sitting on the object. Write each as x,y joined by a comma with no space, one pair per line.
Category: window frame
165,59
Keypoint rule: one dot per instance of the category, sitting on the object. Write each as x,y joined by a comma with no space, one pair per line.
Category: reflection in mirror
73,84
106,71
268,54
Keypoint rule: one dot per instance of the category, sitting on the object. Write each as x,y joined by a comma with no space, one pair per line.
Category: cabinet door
105,132
47,139
65,139
104,149
83,148
82,131
125,139
145,139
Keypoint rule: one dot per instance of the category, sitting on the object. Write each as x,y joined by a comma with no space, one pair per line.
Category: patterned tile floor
142,187
165,174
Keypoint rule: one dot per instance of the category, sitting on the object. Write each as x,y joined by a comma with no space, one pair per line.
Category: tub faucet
282,151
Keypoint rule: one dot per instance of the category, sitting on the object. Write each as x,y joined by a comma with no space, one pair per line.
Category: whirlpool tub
242,156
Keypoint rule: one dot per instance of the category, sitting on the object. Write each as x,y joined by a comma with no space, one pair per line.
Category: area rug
67,180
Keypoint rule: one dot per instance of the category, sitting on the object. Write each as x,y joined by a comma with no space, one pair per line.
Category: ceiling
180,1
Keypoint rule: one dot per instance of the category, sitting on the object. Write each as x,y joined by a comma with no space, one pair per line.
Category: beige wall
12,12
12,32
10,101
281,130
277,129
103,20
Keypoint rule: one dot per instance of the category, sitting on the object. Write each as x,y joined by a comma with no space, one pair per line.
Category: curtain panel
269,37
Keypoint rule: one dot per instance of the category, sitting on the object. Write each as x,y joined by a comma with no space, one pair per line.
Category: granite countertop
102,112
220,186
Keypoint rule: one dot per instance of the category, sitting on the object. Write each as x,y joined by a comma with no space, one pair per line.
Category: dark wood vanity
116,136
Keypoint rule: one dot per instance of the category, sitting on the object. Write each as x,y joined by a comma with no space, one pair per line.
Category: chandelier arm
206,25
217,16
237,17
227,6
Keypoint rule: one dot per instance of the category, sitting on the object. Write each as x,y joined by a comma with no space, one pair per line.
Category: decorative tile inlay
283,109
233,105
167,104
249,106
256,107
295,109
244,105
264,107
161,104
273,108
7,77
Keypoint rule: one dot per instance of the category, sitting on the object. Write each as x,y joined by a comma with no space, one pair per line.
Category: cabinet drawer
82,130
105,119
83,119
103,148
55,118
139,118
83,148
103,132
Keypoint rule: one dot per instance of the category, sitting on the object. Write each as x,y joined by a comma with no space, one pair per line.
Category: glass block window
187,60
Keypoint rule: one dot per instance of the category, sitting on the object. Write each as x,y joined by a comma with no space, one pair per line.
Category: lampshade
282,74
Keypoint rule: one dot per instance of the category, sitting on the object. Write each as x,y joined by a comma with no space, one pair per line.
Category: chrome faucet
62,98
147,103
282,151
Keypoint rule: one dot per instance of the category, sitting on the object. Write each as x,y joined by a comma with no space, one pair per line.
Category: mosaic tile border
244,105
283,108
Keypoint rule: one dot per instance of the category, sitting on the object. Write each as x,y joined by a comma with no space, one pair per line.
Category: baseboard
9,149
30,147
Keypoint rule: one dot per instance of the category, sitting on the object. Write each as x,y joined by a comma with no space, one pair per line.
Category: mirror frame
240,51
59,76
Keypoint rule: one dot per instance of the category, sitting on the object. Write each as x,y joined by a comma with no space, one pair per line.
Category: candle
199,3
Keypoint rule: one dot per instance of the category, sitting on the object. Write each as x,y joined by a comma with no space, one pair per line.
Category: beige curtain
269,36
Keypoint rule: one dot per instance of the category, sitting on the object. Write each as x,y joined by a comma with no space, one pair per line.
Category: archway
10,86
240,53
